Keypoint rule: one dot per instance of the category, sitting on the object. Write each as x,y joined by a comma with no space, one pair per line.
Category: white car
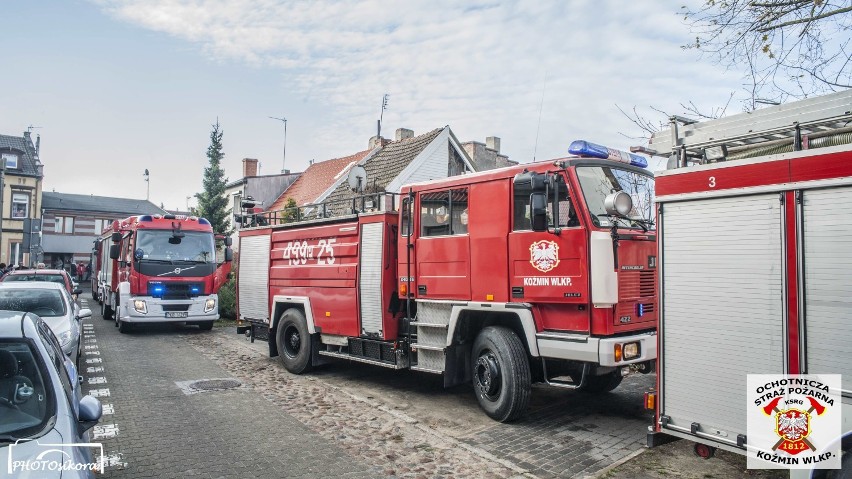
53,303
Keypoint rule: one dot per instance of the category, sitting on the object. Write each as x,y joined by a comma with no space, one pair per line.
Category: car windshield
51,278
597,182
24,405
194,246
43,302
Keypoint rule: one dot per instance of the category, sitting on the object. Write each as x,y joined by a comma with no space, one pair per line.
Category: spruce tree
212,203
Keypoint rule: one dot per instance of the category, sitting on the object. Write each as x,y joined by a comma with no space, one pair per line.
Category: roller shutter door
828,283
254,278
722,312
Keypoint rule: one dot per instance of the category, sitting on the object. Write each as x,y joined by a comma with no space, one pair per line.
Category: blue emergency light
593,150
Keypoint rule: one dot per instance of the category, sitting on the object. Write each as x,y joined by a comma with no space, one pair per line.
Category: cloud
483,67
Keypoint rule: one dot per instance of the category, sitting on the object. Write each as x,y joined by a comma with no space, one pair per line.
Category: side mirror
115,237
79,291
229,241
114,251
90,412
538,211
84,313
229,254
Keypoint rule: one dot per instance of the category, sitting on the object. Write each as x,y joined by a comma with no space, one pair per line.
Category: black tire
603,384
106,311
501,373
294,341
123,326
205,325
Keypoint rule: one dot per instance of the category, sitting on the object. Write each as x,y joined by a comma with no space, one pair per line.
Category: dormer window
10,160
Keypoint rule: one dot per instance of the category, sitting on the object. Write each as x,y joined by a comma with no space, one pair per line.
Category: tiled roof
387,164
101,204
317,178
22,145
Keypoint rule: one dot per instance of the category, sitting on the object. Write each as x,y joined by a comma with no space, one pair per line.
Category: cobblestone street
344,419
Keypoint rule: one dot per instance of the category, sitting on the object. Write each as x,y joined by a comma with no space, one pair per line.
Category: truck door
443,246
548,269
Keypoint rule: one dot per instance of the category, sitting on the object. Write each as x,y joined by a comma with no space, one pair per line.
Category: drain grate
215,384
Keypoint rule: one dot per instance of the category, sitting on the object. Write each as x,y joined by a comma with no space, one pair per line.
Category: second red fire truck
159,268
542,272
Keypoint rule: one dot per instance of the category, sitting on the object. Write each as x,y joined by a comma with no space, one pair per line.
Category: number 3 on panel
712,182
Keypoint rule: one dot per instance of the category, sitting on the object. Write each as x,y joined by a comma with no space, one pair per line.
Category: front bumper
156,310
595,350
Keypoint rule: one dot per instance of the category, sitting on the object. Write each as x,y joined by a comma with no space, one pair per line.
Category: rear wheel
501,373
294,341
106,311
603,384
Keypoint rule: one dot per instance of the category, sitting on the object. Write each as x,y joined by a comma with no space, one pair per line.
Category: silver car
53,303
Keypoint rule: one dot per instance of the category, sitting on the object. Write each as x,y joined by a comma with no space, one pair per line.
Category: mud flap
457,365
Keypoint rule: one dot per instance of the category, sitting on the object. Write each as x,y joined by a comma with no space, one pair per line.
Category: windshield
52,278
24,406
194,246
599,181
43,302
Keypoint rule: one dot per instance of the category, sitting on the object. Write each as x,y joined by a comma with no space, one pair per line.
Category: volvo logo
176,271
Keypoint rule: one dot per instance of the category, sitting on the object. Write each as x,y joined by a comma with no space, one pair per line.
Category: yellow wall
13,229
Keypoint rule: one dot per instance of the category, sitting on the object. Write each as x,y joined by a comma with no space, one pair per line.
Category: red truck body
473,277
158,268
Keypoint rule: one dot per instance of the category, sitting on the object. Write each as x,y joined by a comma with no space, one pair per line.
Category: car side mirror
114,251
229,254
78,291
90,412
84,313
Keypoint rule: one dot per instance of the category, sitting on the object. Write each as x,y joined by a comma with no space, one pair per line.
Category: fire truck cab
542,272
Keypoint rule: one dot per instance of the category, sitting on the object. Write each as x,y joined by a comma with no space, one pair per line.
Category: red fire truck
159,268
755,250
540,272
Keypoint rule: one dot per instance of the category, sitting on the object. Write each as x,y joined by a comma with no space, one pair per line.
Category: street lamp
148,184
283,163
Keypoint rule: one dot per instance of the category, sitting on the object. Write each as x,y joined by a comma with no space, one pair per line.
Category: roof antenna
382,114
540,107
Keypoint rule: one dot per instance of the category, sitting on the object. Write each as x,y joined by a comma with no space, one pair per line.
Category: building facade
21,174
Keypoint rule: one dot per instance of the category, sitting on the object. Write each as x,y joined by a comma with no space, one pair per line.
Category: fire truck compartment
253,281
721,257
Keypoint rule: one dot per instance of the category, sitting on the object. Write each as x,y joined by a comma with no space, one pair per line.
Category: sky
114,87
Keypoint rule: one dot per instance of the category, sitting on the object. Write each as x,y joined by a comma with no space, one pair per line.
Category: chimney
493,143
377,141
404,134
249,167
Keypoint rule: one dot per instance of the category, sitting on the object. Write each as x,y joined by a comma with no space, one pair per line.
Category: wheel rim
487,375
292,341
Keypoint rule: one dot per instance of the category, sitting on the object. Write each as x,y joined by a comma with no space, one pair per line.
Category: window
100,225
405,229
10,160
443,213
567,215
63,224
597,182
20,205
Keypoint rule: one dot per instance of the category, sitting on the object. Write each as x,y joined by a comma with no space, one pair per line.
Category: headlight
209,305
631,351
140,306
64,338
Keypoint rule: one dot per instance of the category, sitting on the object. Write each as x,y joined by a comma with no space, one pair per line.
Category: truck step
361,359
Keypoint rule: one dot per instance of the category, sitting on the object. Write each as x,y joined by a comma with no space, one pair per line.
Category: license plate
176,314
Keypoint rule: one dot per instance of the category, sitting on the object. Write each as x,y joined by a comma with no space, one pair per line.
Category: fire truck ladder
806,124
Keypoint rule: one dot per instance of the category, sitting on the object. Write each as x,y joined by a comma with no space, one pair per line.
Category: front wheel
294,341
501,373
205,325
106,311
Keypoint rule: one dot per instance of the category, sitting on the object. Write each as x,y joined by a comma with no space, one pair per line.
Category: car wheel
205,325
294,341
501,373
123,326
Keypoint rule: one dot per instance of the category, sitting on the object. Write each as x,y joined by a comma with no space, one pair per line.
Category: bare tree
789,48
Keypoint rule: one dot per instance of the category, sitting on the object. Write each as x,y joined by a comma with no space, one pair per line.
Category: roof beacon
593,150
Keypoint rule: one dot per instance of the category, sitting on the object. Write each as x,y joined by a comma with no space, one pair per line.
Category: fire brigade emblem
544,255
793,428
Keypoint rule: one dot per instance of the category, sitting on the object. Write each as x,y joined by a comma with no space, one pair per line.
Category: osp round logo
544,255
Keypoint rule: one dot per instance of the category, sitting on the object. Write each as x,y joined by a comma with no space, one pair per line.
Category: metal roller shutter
722,308
370,277
254,277
828,283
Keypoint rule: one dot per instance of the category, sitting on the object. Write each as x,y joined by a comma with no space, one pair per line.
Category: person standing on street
81,270
88,271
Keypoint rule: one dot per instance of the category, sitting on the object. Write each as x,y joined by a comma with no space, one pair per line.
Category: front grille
175,289
175,307
647,281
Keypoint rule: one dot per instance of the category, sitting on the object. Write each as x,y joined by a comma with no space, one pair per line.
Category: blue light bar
203,221
593,150
640,310
146,218
195,289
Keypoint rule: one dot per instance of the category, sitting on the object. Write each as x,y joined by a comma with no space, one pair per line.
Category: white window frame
18,199
10,158
63,224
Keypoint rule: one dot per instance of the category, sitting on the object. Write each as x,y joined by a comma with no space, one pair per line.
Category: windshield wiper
158,261
191,261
